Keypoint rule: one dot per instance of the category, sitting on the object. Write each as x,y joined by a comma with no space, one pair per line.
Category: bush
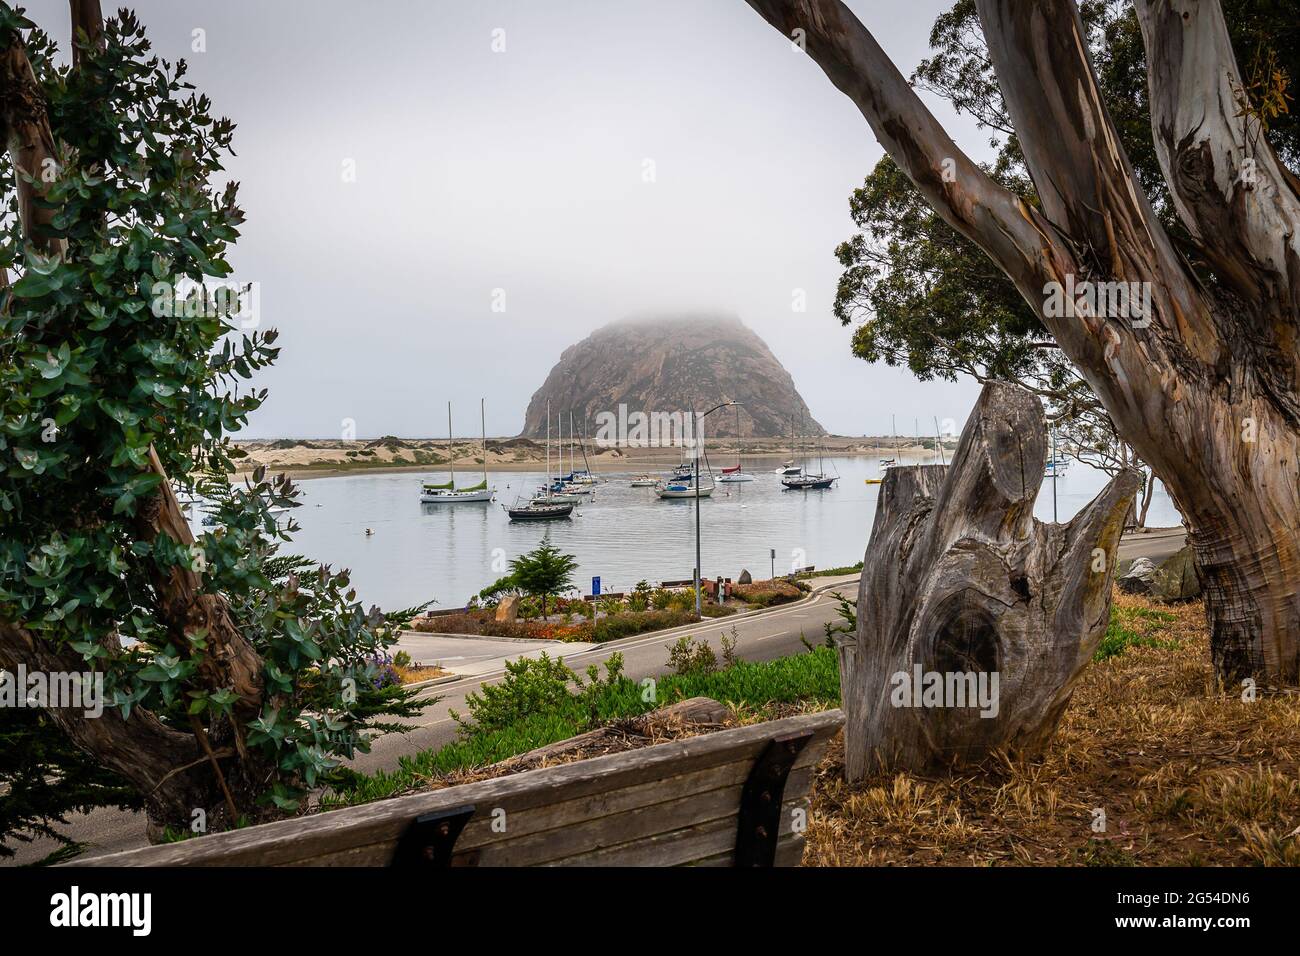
767,593
685,656
625,625
717,610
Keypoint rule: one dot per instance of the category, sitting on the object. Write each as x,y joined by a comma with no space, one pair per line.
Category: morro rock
663,365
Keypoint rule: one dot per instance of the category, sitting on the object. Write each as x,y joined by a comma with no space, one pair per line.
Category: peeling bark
1204,387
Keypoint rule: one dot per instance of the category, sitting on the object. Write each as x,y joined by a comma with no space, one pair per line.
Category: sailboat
809,481
682,483
545,505
789,467
448,493
684,487
575,482
891,462
735,475
554,491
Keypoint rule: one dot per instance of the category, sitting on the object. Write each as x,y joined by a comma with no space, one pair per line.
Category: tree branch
1014,235
1228,185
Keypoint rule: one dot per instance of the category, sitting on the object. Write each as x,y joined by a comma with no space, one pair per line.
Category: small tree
543,571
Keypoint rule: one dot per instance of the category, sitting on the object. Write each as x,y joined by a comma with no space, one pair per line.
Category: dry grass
1186,775
419,672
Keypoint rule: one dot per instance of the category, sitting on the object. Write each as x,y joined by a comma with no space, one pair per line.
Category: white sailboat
554,491
682,483
448,493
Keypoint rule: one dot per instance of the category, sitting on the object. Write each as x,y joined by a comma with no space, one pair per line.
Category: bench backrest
734,797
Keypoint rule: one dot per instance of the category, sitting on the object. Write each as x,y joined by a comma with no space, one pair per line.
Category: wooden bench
735,797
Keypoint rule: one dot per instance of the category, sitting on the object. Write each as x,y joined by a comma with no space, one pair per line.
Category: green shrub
626,625
542,715
685,656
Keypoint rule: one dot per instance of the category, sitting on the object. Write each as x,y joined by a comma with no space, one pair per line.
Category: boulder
1175,579
745,577
508,609
1138,578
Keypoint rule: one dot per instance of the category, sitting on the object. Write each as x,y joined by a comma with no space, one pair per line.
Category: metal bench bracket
760,801
431,838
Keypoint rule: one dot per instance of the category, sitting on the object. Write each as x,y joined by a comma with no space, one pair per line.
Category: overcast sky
525,171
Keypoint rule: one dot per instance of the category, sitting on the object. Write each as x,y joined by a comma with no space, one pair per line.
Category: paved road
762,636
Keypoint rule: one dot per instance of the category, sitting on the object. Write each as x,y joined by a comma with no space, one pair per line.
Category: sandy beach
325,458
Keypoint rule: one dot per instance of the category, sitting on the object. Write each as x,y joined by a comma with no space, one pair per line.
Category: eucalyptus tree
235,679
921,295
1197,364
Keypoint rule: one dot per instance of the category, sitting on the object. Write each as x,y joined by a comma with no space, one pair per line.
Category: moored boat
683,488
539,512
448,493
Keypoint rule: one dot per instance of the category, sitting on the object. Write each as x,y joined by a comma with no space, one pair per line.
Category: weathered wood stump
974,618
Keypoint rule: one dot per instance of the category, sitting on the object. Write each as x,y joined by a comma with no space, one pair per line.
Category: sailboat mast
548,445
451,455
737,437
482,424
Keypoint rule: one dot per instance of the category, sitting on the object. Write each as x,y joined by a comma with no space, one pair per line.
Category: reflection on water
622,534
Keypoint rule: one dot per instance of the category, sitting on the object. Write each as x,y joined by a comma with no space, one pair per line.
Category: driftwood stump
974,618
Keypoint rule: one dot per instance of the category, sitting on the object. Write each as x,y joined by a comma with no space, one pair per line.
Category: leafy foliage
116,348
44,778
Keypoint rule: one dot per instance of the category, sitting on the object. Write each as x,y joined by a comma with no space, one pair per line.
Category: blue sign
595,587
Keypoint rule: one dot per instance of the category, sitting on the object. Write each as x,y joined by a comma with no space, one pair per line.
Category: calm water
449,552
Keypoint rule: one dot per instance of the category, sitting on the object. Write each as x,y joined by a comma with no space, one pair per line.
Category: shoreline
322,459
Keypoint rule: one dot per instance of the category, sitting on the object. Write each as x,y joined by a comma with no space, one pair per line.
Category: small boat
538,512
789,468
684,488
552,497
730,475
888,462
808,482
873,481
1055,466
448,493
644,481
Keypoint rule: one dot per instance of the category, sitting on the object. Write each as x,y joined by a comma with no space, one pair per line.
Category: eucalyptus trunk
1203,380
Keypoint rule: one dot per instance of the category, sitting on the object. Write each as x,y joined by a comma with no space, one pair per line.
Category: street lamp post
699,609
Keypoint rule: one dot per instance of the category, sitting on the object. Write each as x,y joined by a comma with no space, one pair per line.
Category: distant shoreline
323,458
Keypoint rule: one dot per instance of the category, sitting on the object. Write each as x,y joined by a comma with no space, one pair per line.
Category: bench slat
616,784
